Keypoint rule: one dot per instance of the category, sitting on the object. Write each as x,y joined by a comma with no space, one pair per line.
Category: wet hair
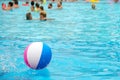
50,5
3,5
37,5
41,7
11,4
16,2
28,16
32,3
43,14
58,5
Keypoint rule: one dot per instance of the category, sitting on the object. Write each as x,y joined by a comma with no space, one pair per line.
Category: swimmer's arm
6,9
50,19
47,19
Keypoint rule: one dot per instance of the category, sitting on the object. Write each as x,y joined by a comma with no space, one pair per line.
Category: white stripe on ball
34,54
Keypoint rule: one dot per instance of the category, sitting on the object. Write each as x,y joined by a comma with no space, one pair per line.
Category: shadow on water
26,75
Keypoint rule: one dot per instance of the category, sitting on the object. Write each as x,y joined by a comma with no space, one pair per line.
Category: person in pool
50,6
3,6
32,6
16,4
9,7
42,9
43,16
28,16
93,6
25,4
115,1
37,8
59,5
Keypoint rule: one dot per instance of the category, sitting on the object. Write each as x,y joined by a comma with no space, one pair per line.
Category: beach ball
37,55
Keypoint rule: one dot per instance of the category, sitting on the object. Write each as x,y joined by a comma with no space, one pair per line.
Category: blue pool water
85,43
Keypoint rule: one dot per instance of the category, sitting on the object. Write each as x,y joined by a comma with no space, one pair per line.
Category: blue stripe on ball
45,57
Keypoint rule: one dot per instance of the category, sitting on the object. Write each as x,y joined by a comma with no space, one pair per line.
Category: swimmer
3,6
16,4
37,8
59,5
28,16
50,6
9,7
43,16
42,13
116,1
26,4
42,9
52,0
32,6
93,6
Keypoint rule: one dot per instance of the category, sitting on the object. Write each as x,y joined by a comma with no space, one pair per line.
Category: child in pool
42,9
50,6
16,4
28,16
37,8
59,5
32,6
43,16
3,6
25,4
9,7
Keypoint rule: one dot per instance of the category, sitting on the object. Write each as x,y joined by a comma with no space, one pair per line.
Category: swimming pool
85,43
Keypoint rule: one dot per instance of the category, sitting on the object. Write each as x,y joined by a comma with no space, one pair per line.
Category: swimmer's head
41,8
10,4
43,15
27,2
32,3
59,4
50,6
93,6
37,5
3,5
28,16
16,2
